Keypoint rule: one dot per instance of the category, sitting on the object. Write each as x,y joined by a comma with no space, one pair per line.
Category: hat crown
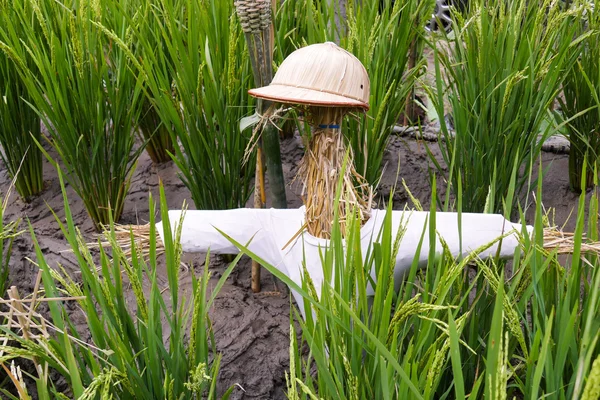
321,74
328,68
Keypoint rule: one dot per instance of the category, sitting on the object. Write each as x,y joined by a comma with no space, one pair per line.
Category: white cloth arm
269,231
476,231
199,233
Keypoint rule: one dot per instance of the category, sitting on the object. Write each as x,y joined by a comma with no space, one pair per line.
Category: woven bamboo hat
319,75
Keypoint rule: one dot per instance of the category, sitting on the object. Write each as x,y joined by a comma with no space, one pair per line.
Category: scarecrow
326,83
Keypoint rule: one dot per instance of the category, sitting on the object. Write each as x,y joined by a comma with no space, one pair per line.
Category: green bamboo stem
272,151
262,60
268,148
270,136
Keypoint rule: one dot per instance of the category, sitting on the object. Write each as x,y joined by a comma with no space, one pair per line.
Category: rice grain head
592,387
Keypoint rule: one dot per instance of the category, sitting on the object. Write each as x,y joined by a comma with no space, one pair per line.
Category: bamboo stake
259,202
255,17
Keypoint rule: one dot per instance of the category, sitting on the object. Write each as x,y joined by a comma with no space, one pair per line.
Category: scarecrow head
326,82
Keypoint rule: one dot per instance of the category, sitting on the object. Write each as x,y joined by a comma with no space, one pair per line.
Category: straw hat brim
297,95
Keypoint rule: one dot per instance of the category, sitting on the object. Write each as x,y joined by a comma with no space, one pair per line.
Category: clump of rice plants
581,102
301,23
500,75
83,86
159,347
458,328
198,82
159,144
125,20
20,128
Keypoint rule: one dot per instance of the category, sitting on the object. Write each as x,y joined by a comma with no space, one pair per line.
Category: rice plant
159,347
301,23
500,74
159,144
457,328
198,82
20,128
82,85
581,102
124,20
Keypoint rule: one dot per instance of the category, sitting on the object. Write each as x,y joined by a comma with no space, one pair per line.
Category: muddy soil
251,330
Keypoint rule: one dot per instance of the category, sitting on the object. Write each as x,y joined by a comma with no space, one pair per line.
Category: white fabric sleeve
199,231
476,231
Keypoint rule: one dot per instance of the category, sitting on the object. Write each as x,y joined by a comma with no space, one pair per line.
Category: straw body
327,164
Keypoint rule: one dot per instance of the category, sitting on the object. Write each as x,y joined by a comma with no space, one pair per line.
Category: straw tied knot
254,15
271,116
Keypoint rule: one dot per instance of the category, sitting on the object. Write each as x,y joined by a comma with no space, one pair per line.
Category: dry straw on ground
21,316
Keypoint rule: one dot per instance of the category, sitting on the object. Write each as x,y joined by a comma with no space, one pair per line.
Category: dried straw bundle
123,235
325,162
564,242
20,316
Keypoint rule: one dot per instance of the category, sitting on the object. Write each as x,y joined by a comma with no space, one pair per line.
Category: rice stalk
197,82
408,354
135,19
375,30
159,145
592,387
371,30
9,230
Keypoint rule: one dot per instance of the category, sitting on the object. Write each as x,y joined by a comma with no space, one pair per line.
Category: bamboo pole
259,33
270,134
259,202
